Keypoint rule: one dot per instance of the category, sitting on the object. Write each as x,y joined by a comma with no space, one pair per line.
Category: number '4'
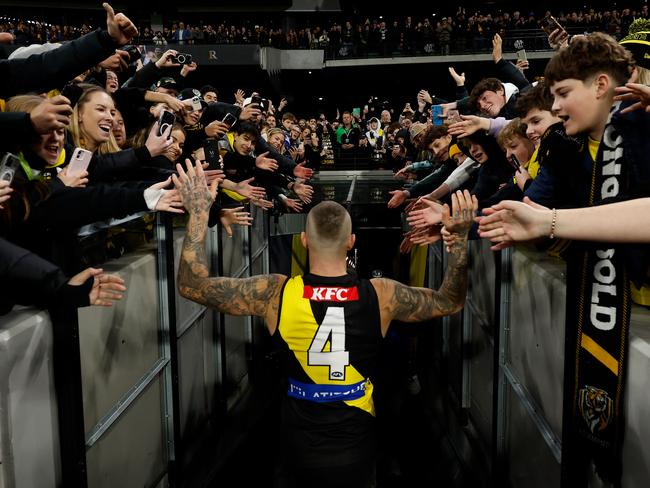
333,329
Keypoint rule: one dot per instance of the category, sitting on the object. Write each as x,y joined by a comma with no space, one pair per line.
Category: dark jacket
17,128
63,210
52,69
27,279
495,172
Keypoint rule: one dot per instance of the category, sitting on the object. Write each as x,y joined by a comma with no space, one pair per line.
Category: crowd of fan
462,31
504,139
134,123
511,138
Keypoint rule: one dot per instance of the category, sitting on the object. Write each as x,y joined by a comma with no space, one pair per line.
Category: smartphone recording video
436,115
515,162
165,121
211,150
9,165
549,24
134,53
521,55
79,161
196,104
182,58
72,92
229,120
262,102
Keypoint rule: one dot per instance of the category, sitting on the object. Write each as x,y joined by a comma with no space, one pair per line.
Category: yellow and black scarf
597,322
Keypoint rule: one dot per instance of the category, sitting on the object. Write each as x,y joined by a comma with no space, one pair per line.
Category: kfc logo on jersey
331,294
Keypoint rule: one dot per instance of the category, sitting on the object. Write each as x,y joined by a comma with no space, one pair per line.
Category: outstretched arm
509,222
258,295
410,304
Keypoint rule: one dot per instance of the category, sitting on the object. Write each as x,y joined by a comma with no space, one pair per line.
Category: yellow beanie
453,150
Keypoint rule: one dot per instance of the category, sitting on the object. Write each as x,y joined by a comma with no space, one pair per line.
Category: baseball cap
416,129
167,82
189,93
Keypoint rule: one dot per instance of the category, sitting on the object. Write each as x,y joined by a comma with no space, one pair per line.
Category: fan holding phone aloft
79,161
165,121
9,165
229,120
218,128
557,35
75,173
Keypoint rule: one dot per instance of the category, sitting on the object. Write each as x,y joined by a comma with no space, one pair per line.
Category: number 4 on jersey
337,358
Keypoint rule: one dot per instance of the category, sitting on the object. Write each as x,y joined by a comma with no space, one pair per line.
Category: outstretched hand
106,289
264,162
303,191
300,171
398,197
239,96
431,214
468,125
262,203
634,92
509,221
292,204
234,216
426,236
463,210
245,189
195,194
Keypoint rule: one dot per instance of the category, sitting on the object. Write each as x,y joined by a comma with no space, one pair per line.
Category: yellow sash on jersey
298,327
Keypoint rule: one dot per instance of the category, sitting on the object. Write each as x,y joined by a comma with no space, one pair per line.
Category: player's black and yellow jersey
330,331
331,327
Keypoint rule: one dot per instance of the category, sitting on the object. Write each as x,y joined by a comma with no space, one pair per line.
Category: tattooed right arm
258,295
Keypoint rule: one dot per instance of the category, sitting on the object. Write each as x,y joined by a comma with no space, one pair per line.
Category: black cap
167,82
189,93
